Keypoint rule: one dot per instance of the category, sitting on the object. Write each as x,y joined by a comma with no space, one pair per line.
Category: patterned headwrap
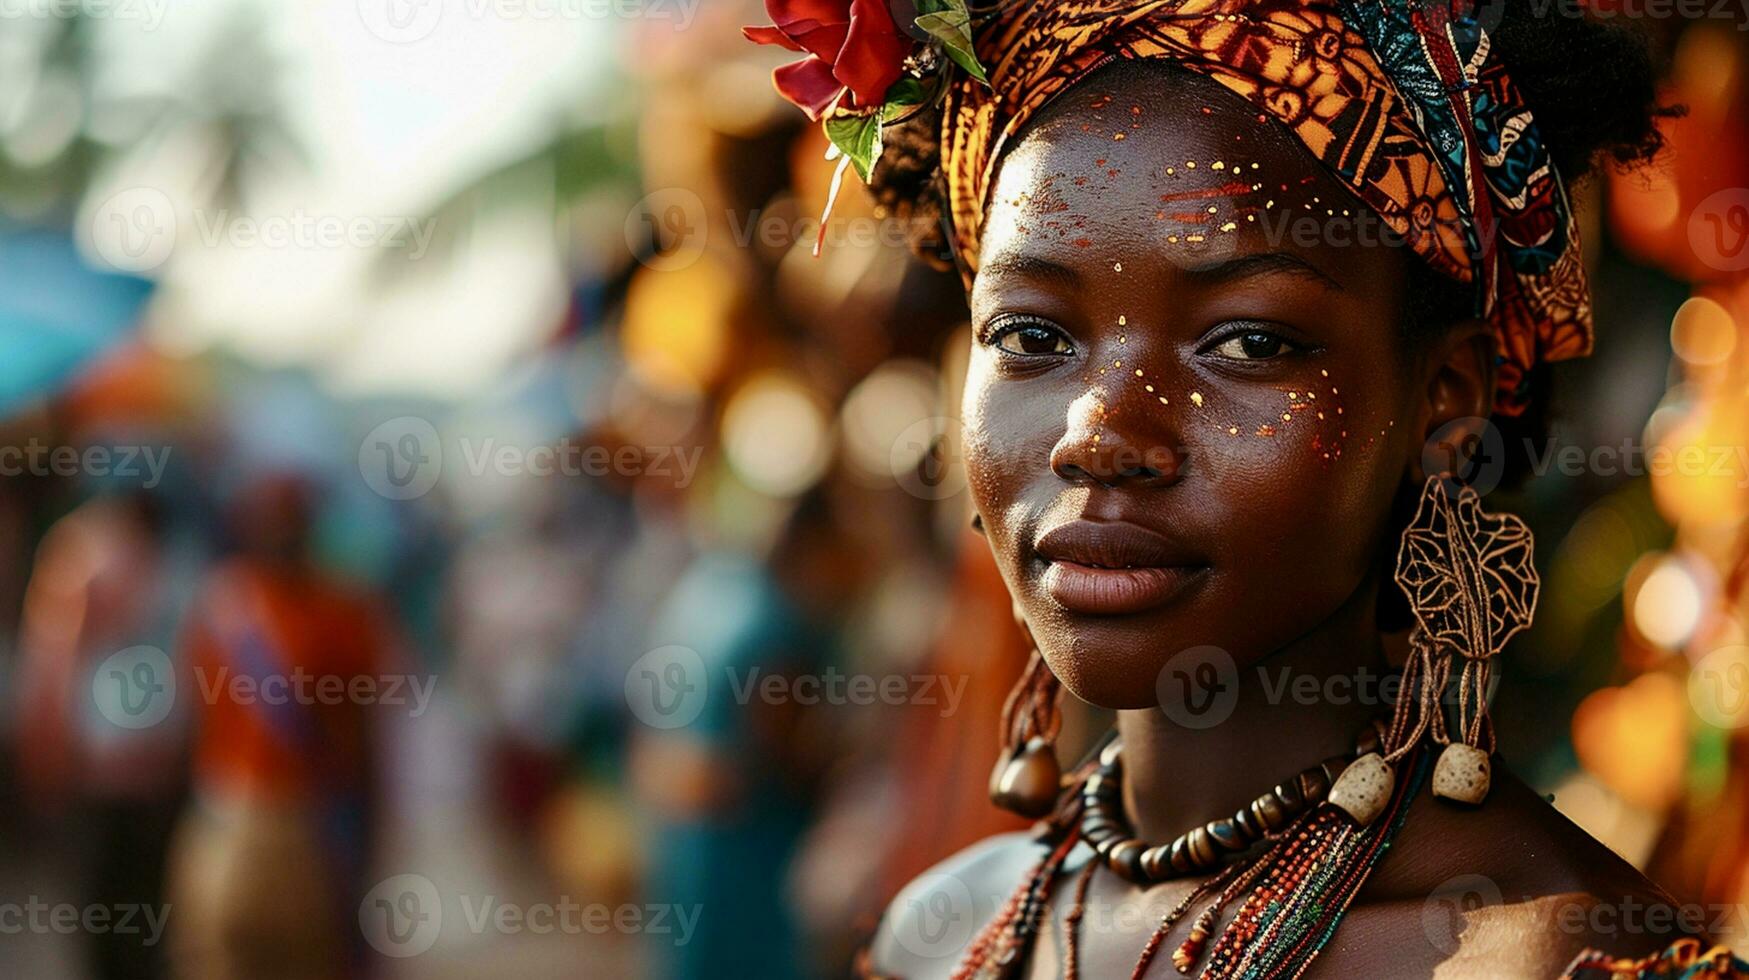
1398,98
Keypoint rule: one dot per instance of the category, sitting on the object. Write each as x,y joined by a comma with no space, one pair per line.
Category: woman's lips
1094,591
1109,568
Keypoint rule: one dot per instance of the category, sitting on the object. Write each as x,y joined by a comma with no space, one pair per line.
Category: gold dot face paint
1150,262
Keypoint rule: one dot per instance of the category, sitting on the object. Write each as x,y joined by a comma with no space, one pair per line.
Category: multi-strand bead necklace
1309,860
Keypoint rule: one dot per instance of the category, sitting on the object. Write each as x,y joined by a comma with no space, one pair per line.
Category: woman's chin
1181,660
1116,678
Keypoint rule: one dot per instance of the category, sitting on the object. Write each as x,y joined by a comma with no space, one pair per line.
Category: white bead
1364,788
1462,774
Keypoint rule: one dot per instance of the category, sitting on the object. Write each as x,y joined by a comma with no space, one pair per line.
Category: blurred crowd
675,634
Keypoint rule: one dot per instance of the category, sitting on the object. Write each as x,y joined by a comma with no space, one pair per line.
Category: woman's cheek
1308,425
993,452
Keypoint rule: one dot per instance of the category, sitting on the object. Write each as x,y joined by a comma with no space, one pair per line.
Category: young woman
1247,279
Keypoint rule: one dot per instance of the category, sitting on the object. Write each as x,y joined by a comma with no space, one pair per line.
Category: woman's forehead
1181,170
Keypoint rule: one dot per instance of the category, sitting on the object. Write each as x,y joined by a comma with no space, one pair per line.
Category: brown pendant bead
1289,795
1372,738
1333,767
1179,856
1097,821
1126,860
1248,825
1028,782
1267,810
1226,835
1100,785
1202,848
1156,863
1105,837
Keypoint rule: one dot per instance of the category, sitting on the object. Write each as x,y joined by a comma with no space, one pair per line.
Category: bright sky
397,102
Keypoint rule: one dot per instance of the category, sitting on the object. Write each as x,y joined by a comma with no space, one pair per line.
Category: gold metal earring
1471,585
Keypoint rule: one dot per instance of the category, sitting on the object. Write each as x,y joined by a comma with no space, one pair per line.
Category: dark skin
1096,264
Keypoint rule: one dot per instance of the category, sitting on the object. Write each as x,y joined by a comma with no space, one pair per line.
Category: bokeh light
775,435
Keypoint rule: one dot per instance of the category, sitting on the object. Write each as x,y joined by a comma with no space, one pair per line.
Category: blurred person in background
97,758
265,870
731,792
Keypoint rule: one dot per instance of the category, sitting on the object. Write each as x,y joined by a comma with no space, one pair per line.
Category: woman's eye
1255,345
1033,340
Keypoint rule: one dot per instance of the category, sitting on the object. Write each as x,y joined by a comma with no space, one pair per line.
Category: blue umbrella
56,313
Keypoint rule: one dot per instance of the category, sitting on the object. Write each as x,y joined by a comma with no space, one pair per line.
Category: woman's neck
1295,708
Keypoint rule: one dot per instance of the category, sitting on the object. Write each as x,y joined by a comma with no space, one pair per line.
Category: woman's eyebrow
1026,266
1261,263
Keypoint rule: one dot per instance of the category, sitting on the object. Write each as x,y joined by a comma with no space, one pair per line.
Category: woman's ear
1459,398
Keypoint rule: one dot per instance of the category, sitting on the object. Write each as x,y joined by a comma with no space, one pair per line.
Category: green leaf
857,137
953,28
906,91
905,94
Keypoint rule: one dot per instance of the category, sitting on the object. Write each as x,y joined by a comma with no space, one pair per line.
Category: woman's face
1190,402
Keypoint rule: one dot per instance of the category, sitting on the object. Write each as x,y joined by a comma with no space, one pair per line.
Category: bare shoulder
1511,889
931,922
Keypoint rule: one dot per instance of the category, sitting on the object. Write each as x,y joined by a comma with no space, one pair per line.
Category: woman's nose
1110,444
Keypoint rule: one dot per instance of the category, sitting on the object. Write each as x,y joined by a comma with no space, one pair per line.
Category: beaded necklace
1310,862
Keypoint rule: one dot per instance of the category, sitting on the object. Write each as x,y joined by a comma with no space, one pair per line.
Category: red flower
851,44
